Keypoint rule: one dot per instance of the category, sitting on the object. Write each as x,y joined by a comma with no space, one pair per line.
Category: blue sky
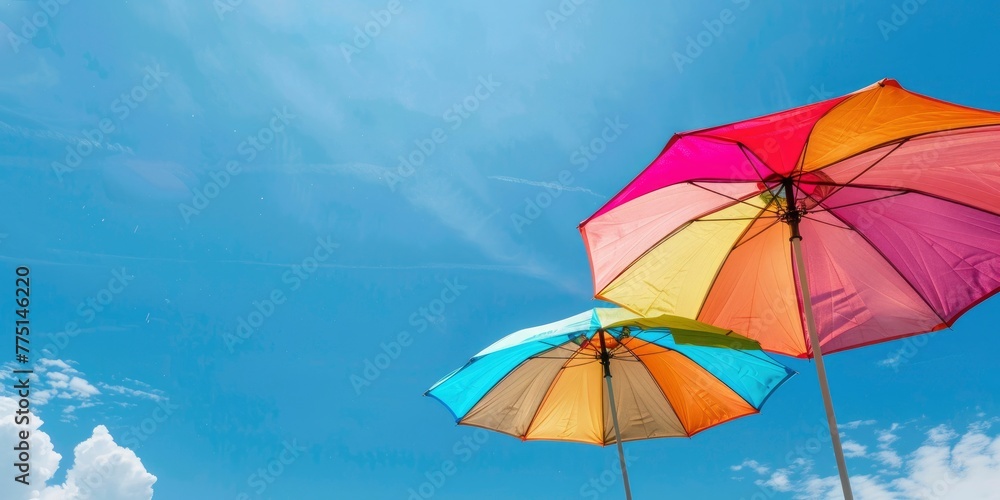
242,163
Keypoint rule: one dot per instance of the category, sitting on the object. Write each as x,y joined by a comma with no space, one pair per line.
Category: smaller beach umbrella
664,376
857,220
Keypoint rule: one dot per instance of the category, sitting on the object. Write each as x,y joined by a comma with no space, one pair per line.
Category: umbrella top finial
890,82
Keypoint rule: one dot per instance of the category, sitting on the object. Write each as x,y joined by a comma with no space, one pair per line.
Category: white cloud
855,424
56,379
46,364
81,388
854,449
752,465
945,466
941,434
886,454
892,360
779,481
886,436
547,185
154,395
40,397
889,457
101,468
44,459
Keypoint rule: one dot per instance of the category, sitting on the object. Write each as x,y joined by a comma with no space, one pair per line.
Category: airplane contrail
551,185
326,265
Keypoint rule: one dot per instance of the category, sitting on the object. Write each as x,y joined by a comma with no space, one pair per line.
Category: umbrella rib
657,383
758,233
673,140
743,147
556,346
631,387
660,242
840,186
914,191
727,386
512,370
812,128
744,150
892,265
654,342
886,143
893,195
859,174
732,219
637,356
545,398
736,243
737,200
825,222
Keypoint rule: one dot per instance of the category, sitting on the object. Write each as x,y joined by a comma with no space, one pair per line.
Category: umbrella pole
838,451
606,361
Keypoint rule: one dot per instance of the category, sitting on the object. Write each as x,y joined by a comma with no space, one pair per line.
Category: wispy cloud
893,360
119,389
854,449
946,466
59,382
247,262
546,185
855,424
100,467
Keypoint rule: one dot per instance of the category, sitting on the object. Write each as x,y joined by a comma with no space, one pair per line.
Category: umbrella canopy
672,376
895,196
890,201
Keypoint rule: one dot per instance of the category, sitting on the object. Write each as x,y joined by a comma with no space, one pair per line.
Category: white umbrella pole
606,361
824,387
618,437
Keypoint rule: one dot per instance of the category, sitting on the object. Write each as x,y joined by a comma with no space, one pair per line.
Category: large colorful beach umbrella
860,219
664,376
